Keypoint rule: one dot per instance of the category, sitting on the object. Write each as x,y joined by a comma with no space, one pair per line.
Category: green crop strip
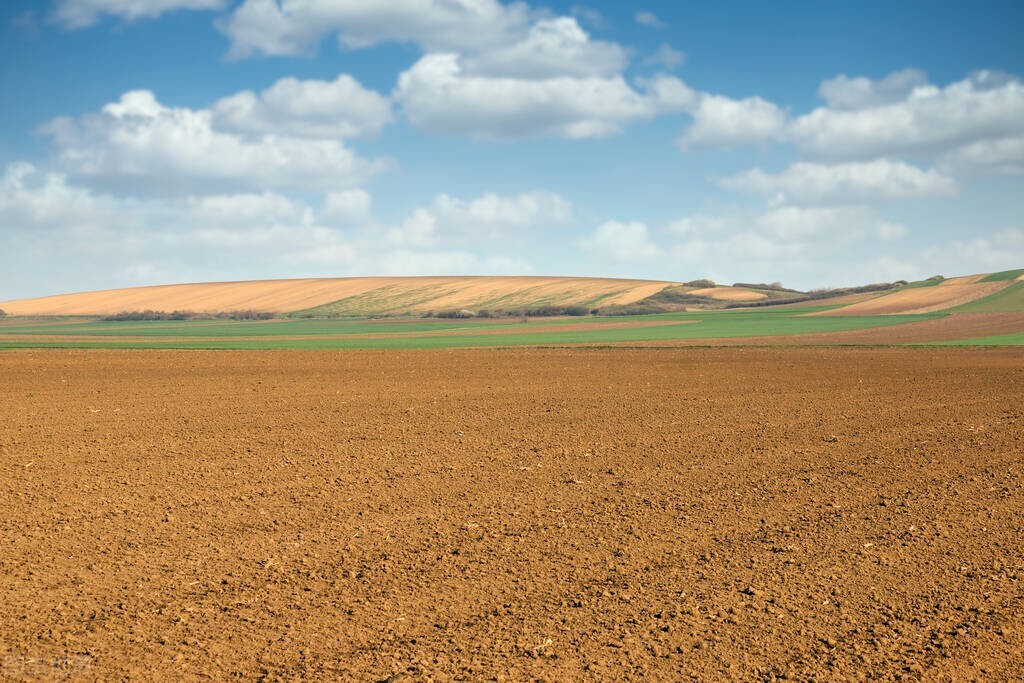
1004,275
1007,300
342,334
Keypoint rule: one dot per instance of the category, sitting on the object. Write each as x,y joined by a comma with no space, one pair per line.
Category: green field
432,333
1012,339
1004,275
1005,301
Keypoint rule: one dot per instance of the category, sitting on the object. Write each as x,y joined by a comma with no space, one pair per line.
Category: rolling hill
359,296
364,297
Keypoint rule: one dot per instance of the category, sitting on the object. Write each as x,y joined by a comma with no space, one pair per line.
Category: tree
2,313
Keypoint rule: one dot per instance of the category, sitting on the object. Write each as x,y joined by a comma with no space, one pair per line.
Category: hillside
360,296
365,297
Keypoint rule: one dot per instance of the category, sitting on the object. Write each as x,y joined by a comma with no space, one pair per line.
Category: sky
817,144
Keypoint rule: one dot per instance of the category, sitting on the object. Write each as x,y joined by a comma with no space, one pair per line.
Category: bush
637,308
701,284
549,311
455,314
148,314
247,314
132,316
3,313
772,287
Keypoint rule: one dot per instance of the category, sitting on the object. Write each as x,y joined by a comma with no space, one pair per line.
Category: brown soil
729,294
953,327
920,299
519,514
841,300
963,280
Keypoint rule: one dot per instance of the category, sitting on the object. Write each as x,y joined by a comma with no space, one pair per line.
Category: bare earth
728,294
954,327
921,299
562,514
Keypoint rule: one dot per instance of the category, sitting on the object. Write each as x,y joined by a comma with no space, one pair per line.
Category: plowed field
550,514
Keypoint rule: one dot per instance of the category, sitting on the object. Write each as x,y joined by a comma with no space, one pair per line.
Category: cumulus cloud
1000,250
347,207
666,56
971,126
491,217
623,242
720,121
649,19
927,121
315,109
849,183
140,143
438,262
437,94
589,16
552,47
490,69
1003,156
32,199
295,27
90,239
850,94
75,14
808,246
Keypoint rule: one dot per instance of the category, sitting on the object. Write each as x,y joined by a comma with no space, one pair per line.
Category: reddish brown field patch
528,514
920,299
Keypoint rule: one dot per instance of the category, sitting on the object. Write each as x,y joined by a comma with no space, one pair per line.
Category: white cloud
57,237
699,225
418,230
619,241
347,207
807,246
552,47
845,93
437,262
74,14
928,121
666,56
649,19
139,143
32,199
490,69
720,121
1001,250
437,94
1003,156
972,126
519,211
295,27
795,223
490,218
589,16
857,182
243,210
315,109
890,232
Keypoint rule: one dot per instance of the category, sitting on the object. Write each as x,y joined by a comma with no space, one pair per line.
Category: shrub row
772,287
536,312
248,314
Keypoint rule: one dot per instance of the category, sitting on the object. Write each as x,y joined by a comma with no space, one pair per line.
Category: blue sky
817,144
